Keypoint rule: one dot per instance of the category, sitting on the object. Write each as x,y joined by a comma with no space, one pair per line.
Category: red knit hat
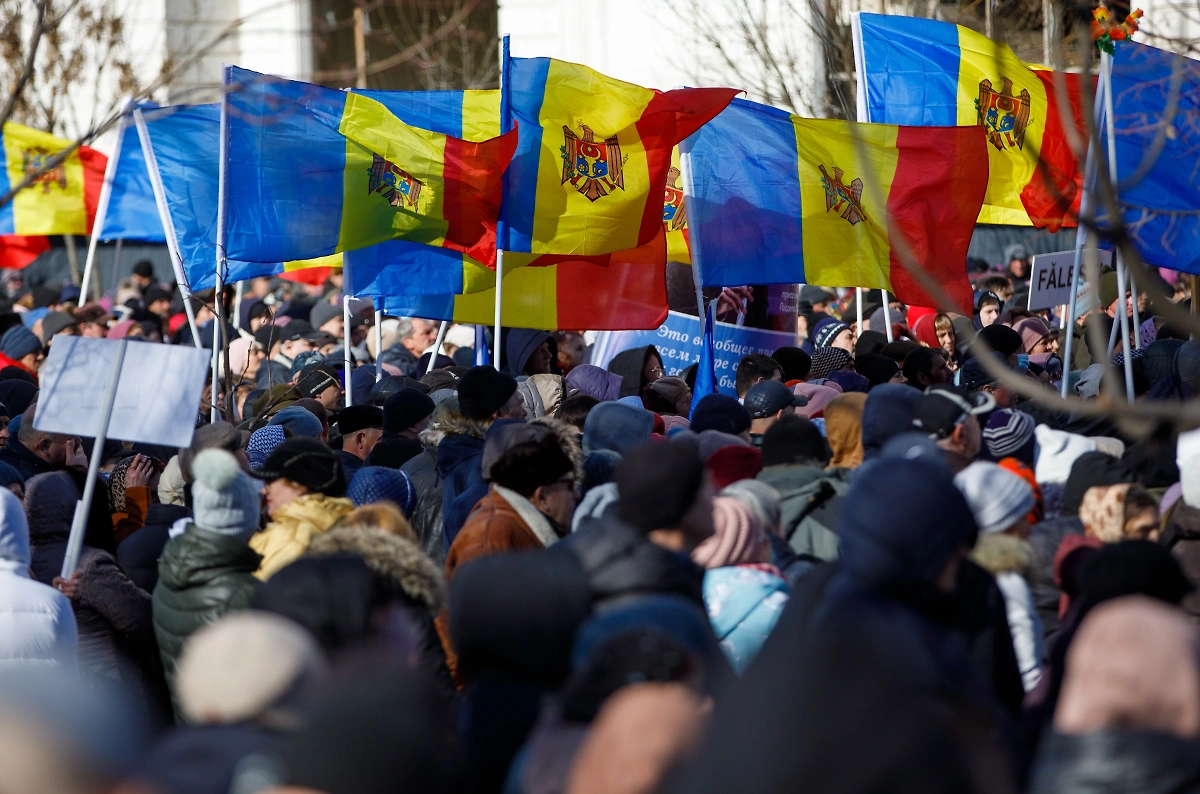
733,463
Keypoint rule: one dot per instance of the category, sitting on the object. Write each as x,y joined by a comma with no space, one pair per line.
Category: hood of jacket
520,344
398,558
198,556
14,531
732,593
616,427
456,450
1000,553
51,498
788,478
595,382
541,394
629,364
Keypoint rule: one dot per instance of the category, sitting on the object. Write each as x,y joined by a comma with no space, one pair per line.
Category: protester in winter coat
533,470
484,395
113,614
39,624
642,546
1000,502
743,592
32,452
304,483
240,682
208,570
843,430
422,472
810,495
638,368
595,382
130,486
1129,713
405,414
530,352
541,394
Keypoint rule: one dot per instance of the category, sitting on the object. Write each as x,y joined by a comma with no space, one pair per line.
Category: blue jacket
458,461
743,604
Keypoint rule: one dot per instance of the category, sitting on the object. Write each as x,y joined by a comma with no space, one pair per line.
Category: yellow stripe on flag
675,214
530,300
480,115
333,260
1012,84
844,221
54,203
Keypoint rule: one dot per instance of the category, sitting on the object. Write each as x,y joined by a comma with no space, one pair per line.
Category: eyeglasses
656,371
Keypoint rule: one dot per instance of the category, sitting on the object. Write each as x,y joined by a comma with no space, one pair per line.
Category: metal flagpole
887,314
437,346
502,224
346,345
378,338
1110,125
858,299
237,304
1137,315
222,153
164,215
689,190
110,173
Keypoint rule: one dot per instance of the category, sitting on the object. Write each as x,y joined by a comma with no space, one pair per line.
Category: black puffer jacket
621,562
139,553
426,519
1111,761
202,575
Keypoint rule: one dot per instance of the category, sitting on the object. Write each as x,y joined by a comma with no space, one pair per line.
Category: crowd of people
880,566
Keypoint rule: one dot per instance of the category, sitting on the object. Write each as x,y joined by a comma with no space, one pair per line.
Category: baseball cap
769,397
943,407
296,329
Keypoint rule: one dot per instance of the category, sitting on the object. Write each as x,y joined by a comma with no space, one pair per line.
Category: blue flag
1159,186
706,370
483,353
132,212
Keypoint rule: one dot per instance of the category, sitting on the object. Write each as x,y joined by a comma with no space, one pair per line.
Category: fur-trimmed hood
393,556
568,441
455,424
1000,553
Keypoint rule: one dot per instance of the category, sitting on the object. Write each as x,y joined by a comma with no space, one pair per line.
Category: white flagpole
689,190
237,304
378,338
502,231
1110,125
437,346
887,314
222,153
164,215
110,173
346,346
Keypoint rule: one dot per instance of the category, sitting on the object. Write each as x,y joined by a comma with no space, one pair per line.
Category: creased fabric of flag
132,213
60,200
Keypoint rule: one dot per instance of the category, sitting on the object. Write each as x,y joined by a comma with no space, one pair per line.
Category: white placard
1050,281
157,398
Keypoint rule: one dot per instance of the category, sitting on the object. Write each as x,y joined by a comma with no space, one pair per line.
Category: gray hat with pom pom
224,498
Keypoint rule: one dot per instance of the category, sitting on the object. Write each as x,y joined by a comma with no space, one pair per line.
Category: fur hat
483,391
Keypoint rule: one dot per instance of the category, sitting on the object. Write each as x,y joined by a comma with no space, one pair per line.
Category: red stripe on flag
934,201
629,293
17,252
94,163
1052,196
474,188
316,276
670,117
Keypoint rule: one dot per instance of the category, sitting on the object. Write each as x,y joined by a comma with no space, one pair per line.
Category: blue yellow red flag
61,199
778,199
593,156
923,72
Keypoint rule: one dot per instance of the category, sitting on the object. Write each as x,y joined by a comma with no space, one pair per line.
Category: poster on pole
678,341
158,395
1050,281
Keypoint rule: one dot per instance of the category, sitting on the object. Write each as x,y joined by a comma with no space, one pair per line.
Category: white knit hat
224,498
997,497
1056,454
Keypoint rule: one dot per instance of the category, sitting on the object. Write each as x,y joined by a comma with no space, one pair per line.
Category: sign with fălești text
1050,281
678,342
158,394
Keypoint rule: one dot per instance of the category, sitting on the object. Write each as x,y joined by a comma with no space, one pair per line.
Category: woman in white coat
1001,502
37,625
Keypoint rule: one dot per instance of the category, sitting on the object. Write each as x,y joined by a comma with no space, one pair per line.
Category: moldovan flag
675,214
313,171
618,292
922,72
780,199
592,157
63,199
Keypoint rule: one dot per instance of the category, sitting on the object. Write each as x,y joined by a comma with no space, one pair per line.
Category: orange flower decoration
1104,32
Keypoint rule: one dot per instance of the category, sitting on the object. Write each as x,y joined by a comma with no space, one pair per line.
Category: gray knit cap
224,498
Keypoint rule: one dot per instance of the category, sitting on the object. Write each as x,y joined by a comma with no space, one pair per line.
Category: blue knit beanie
380,484
263,442
300,421
19,342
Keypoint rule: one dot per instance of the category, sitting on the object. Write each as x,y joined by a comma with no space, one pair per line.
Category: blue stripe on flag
911,68
132,213
527,89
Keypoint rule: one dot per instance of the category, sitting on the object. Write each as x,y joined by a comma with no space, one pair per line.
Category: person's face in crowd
939,371
897,378
845,340
259,321
294,347
141,282
161,307
570,351
1018,267
254,359
278,493
335,327
361,443
330,398
988,314
92,330
513,409
652,370
1004,294
1004,396
33,360
556,501
325,350
947,340
415,430
967,437
1143,526
4,420
57,450
1047,344
801,327
359,332
1111,311
260,287
423,336
539,360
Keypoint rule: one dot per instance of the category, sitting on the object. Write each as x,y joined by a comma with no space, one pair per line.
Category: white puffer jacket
37,625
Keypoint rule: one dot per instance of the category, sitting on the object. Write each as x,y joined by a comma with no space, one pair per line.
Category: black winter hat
658,482
715,412
404,409
483,391
305,461
359,417
524,457
793,439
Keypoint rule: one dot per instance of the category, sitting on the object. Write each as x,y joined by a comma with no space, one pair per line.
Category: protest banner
678,341
152,397
1050,282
